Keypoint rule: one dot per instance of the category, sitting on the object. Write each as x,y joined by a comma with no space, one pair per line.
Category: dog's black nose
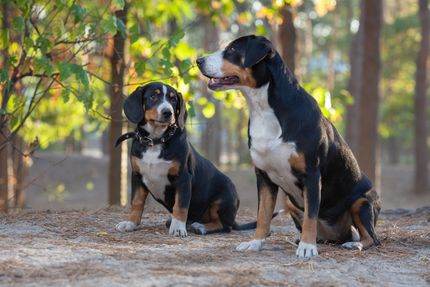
167,113
200,61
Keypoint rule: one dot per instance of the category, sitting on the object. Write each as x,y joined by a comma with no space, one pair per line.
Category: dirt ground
81,248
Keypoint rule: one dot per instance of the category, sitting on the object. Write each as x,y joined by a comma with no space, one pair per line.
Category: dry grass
59,248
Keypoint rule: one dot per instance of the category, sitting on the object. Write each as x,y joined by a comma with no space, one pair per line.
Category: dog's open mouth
225,81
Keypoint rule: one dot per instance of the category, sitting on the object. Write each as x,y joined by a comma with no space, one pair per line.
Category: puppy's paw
178,228
253,245
353,245
126,226
198,228
306,250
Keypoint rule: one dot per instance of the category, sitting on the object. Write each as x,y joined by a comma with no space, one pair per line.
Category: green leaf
80,74
176,38
28,43
166,53
109,25
65,70
4,75
121,27
65,94
43,65
209,110
185,65
134,33
191,110
18,23
140,68
119,4
4,38
2,112
78,12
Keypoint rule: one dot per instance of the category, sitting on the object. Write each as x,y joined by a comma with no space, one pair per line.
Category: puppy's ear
181,112
256,50
133,106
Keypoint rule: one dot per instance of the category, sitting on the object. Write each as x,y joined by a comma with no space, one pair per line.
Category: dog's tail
253,224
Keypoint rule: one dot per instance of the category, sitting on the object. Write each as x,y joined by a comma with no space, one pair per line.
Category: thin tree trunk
369,96
117,62
354,86
211,136
287,37
421,148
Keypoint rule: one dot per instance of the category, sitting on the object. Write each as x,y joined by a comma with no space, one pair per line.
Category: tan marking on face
265,211
244,74
172,94
365,237
137,204
297,162
309,227
134,166
158,91
178,212
151,114
174,169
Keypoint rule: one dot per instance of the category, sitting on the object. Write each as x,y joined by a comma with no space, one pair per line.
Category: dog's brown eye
153,97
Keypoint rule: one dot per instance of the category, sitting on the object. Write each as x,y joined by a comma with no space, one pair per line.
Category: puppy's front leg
178,226
307,246
267,192
138,195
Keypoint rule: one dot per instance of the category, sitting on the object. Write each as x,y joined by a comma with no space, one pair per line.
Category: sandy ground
81,248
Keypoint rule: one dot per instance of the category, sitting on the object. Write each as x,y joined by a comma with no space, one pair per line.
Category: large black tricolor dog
165,165
294,147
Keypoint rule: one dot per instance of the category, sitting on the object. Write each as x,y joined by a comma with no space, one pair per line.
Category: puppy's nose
167,113
200,61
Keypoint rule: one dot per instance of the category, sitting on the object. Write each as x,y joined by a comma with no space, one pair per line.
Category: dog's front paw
178,228
306,250
126,226
353,245
199,228
253,245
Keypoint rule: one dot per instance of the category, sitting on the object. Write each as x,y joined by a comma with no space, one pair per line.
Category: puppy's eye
153,97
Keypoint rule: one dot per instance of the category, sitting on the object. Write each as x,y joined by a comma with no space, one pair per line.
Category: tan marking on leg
178,212
366,239
215,222
265,212
134,165
137,205
298,162
245,75
309,227
295,212
174,169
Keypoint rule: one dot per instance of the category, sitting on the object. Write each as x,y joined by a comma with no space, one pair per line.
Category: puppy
165,165
295,148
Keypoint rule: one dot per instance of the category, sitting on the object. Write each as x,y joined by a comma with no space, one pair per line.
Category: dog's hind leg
215,224
364,213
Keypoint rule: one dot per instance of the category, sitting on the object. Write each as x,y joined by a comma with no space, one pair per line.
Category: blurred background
67,65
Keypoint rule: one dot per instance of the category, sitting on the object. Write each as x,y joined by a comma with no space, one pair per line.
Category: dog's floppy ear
256,50
133,106
181,112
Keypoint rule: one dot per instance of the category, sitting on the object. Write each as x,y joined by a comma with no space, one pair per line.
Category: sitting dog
295,148
165,165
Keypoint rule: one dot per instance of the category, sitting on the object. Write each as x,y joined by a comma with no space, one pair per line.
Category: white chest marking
154,171
268,152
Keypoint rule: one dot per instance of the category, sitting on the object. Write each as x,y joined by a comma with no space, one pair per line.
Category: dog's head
241,63
156,104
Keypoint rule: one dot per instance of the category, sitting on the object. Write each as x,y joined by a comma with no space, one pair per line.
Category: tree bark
211,136
287,37
354,87
421,148
117,62
369,96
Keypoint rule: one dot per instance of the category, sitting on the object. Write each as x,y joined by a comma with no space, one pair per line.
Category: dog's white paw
126,226
306,250
253,245
178,228
199,228
353,245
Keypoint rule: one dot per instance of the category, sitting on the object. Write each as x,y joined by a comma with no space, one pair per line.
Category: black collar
145,140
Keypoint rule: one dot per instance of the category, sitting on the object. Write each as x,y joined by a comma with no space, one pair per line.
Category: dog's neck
154,131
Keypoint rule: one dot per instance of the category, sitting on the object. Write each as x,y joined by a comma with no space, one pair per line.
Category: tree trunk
287,37
117,62
369,96
211,135
421,148
354,87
